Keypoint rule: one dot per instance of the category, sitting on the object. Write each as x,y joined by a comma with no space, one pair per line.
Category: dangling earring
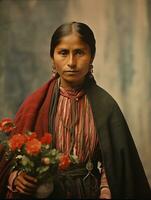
54,72
91,70
91,67
90,73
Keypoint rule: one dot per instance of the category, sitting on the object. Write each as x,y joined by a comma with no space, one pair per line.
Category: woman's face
72,59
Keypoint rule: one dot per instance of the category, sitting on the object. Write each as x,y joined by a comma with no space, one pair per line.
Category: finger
30,178
20,190
27,180
23,184
24,187
28,184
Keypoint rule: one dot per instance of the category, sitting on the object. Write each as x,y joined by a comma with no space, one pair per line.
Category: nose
71,61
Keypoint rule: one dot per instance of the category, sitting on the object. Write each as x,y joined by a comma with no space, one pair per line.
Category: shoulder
31,106
34,99
99,97
103,105
39,94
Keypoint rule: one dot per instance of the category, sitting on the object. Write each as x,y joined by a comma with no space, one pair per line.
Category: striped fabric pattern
74,109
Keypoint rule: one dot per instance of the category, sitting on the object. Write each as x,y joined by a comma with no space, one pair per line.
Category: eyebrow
59,49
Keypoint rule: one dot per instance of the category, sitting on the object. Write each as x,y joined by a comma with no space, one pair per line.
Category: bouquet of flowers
30,154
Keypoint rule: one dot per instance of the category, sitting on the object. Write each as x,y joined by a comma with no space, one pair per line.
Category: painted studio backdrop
122,65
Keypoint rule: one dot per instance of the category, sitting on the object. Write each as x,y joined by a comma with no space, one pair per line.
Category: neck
71,86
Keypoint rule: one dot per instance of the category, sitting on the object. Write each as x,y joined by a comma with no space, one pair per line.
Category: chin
75,82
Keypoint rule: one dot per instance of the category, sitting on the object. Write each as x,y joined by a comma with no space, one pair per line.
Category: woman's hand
105,193
25,184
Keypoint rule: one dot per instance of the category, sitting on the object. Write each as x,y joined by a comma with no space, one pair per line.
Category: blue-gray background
122,65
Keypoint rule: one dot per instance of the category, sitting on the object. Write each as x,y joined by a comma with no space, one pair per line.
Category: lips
71,71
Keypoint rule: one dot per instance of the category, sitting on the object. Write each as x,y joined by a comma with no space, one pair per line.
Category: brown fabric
76,184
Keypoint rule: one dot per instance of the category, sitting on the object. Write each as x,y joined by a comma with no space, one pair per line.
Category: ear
90,67
91,61
52,62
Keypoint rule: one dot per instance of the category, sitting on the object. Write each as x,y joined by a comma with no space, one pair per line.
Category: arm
104,187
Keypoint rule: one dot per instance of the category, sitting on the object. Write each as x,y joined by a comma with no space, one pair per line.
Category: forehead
72,40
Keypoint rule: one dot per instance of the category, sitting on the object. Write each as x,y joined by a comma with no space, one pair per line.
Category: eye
63,52
79,52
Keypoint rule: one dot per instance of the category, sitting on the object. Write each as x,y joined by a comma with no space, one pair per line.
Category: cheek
57,67
84,65
59,61
85,61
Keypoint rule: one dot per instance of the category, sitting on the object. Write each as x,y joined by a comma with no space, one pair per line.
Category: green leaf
42,169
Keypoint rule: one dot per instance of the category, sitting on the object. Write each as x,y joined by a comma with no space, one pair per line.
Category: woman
85,120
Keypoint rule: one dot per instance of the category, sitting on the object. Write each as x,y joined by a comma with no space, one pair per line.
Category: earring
53,69
91,68
54,72
90,73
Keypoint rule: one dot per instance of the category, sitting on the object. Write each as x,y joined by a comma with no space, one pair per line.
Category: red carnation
7,125
33,146
64,162
46,139
16,141
31,136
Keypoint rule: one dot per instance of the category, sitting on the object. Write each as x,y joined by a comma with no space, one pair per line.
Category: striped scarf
74,125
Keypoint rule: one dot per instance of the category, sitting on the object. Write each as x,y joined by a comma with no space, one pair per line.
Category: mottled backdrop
122,65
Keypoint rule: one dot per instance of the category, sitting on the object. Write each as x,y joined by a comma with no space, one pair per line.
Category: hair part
84,31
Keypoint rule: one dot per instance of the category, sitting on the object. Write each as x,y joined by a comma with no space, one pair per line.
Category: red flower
46,139
64,162
33,146
7,125
31,136
16,141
